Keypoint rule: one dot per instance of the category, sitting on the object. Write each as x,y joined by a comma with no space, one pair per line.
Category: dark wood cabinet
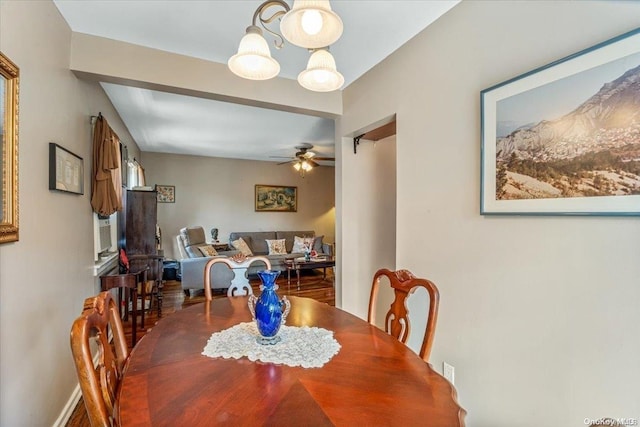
122,222
141,219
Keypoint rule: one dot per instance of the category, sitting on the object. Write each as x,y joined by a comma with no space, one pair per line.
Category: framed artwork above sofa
276,198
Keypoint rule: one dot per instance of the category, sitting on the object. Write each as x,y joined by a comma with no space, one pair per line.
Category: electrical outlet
449,372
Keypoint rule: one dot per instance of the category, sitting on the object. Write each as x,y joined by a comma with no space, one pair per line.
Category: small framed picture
166,193
66,170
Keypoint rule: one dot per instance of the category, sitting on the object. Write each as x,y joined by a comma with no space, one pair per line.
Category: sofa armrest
327,249
192,270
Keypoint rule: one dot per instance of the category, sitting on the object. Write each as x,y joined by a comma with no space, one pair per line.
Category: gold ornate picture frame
9,92
276,198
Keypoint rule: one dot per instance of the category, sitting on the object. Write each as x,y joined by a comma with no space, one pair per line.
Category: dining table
373,379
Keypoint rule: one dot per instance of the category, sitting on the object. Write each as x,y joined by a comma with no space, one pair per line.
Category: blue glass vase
267,310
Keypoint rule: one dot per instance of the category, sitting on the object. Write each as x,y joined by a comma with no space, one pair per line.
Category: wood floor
312,285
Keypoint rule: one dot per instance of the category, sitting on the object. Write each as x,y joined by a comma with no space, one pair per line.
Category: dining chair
396,323
99,384
239,264
127,285
152,291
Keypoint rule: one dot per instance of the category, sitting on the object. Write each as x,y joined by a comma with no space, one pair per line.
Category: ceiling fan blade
304,154
284,163
280,157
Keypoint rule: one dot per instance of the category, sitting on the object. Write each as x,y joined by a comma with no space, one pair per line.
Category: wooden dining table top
373,380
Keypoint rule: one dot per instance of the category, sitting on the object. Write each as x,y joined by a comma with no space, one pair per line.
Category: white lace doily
299,346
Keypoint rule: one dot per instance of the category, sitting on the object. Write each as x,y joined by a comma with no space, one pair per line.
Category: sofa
192,259
257,242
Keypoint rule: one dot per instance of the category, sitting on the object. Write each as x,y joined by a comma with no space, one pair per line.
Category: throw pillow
208,250
242,246
317,243
276,247
301,243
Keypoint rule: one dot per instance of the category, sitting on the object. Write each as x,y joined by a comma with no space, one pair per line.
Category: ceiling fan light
253,60
321,74
297,166
306,166
311,24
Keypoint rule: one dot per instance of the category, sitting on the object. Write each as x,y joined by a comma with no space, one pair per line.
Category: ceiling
171,123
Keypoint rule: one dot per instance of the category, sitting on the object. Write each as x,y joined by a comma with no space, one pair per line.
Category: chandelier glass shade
310,24
321,74
253,60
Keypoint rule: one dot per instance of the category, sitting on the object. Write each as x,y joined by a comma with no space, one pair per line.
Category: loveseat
192,246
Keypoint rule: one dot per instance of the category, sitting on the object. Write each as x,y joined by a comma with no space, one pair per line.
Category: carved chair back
397,324
239,264
99,385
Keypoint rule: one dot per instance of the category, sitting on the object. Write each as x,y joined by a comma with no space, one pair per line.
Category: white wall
47,274
215,192
539,315
370,183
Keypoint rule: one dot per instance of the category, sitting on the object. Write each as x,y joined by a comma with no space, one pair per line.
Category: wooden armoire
140,245
141,219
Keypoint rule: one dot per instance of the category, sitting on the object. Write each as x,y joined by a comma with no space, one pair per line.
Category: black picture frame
66,170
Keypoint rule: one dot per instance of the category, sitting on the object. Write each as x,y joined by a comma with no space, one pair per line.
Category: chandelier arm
258,17
279,40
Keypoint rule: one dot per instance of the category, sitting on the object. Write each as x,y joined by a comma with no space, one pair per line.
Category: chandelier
310,24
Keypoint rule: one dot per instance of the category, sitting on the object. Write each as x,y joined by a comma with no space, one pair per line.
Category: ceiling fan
304,160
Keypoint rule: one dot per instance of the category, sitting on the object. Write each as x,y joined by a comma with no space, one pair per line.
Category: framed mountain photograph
564,139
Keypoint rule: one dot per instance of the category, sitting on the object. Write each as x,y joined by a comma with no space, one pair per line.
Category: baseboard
68,409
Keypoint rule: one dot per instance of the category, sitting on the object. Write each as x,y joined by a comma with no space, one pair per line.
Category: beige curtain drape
142,180
106,194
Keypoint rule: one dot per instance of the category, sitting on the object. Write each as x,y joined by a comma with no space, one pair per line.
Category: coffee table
298,264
